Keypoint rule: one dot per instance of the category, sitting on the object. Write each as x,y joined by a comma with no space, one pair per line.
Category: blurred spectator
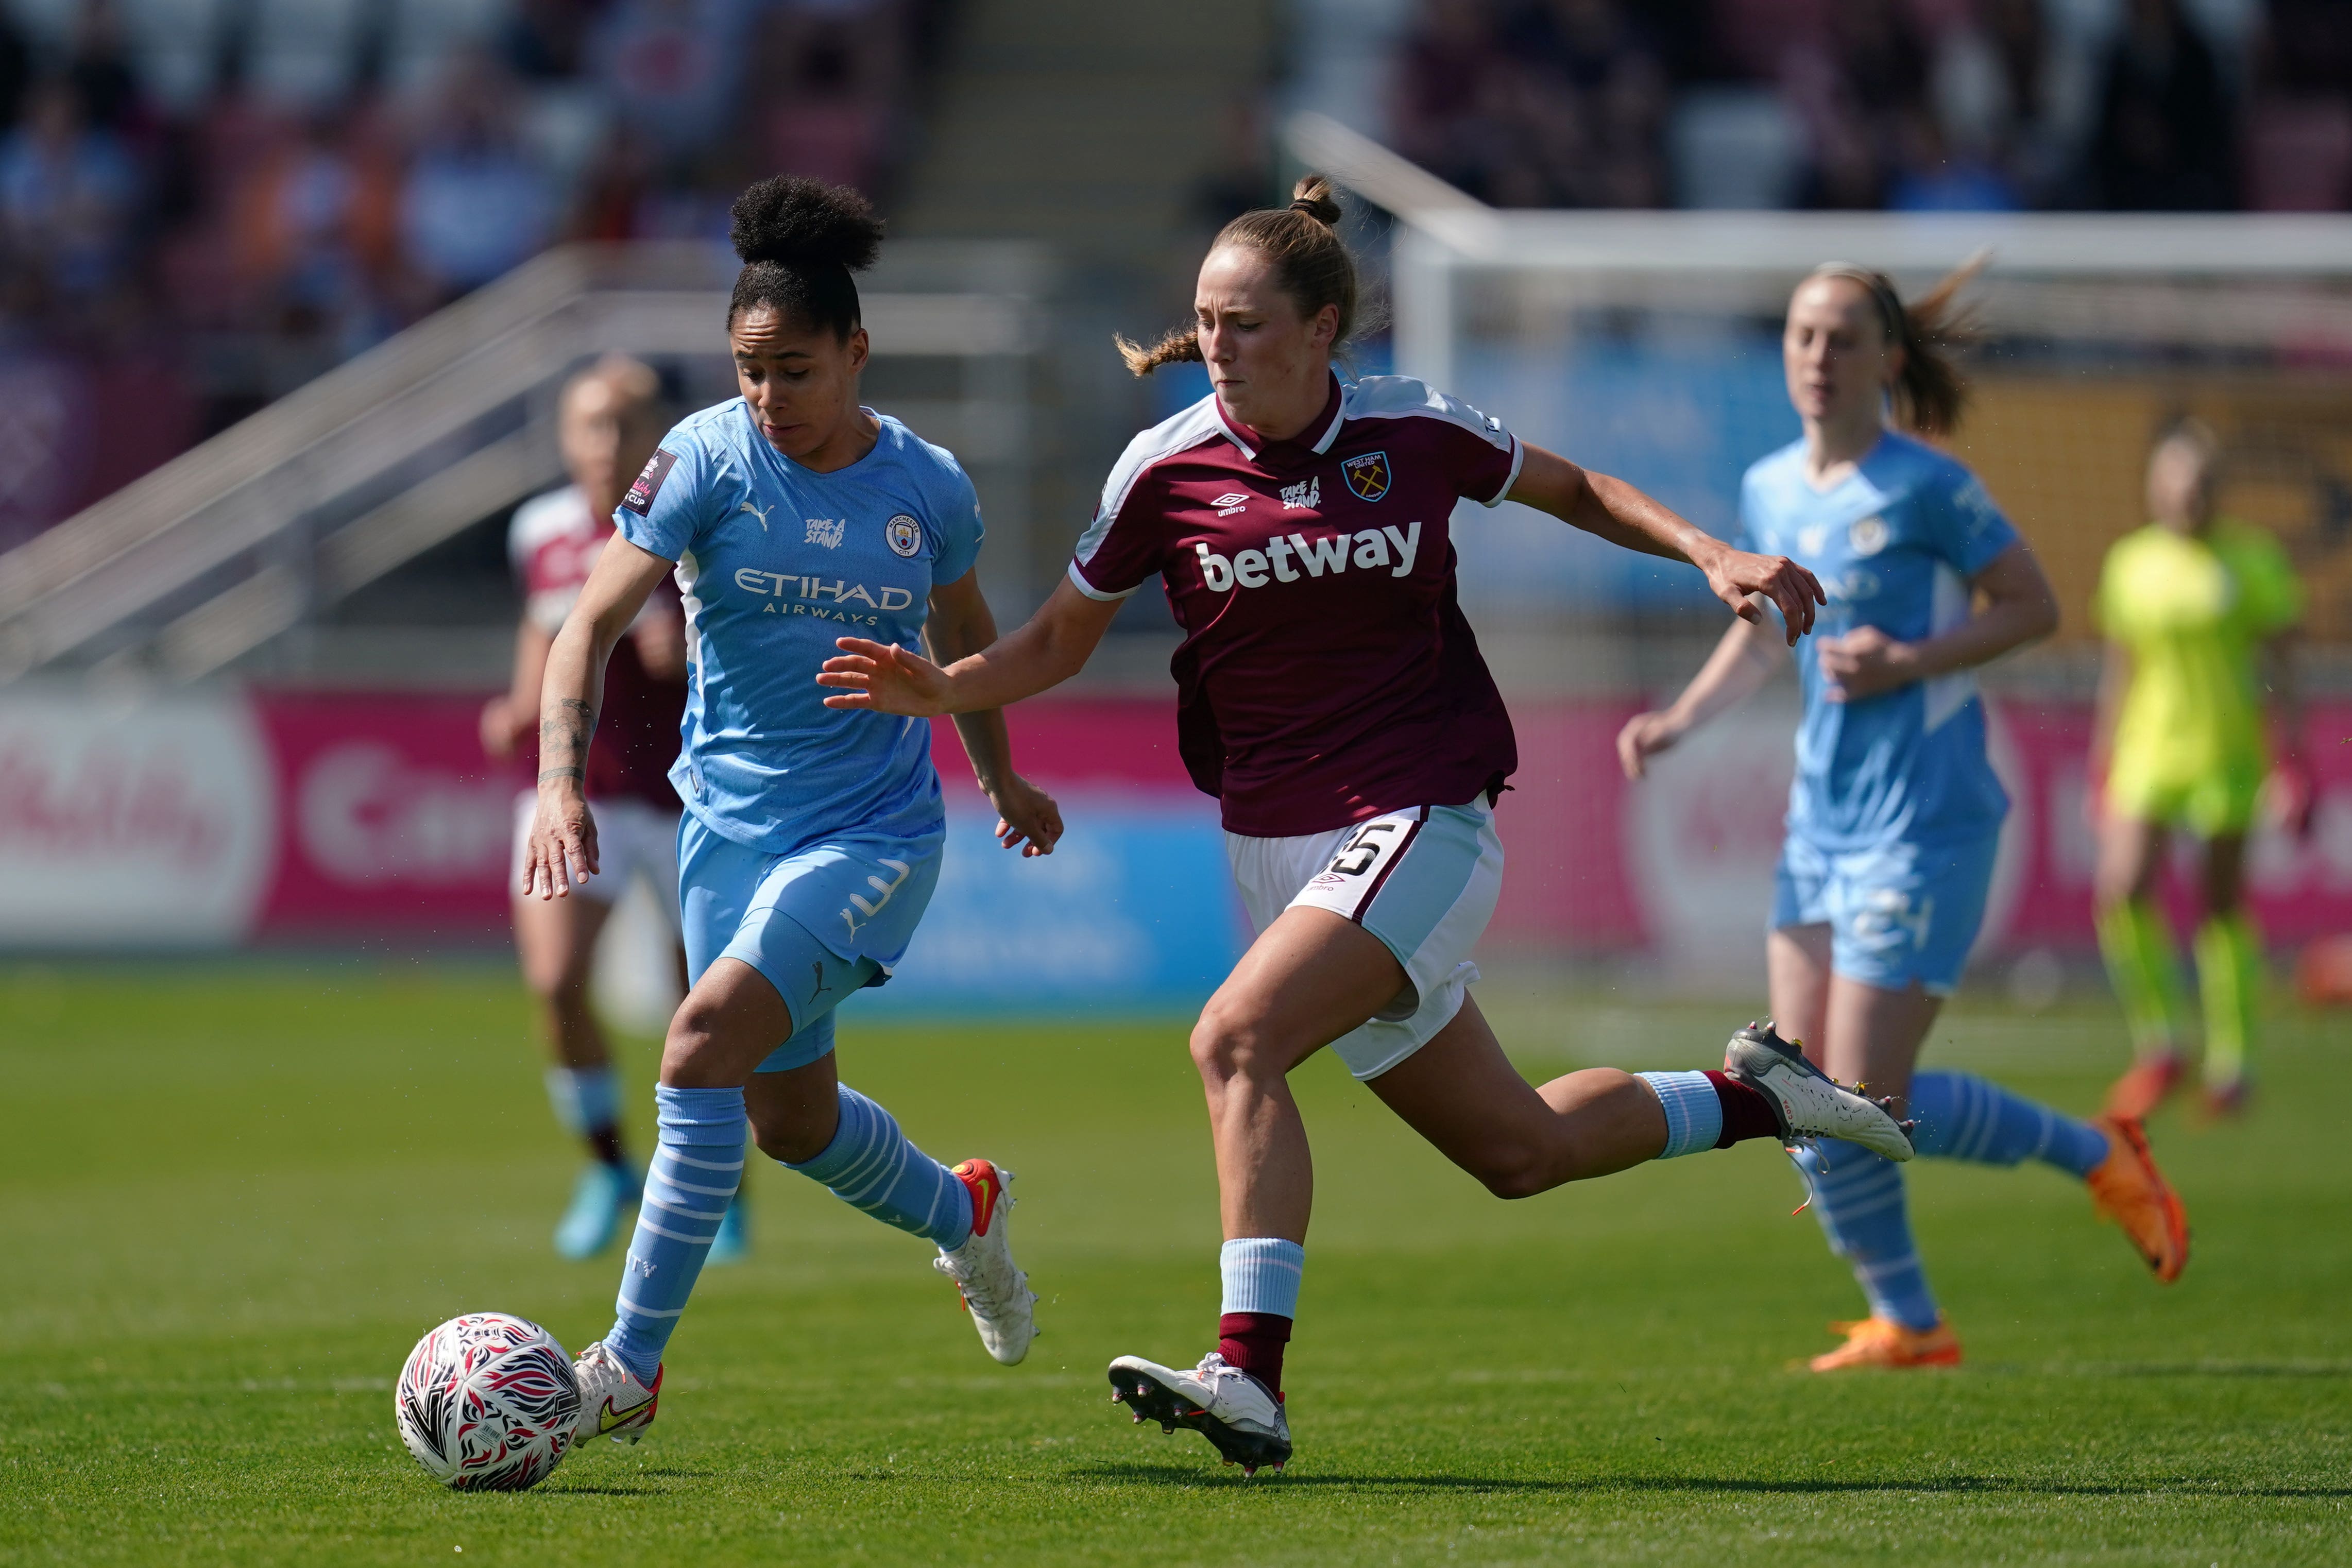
99,69
476,204
671,68
2167,139
313,227
68,192
1856,86
545,40
1931,176
824,105
2299,127
1239,178
1538,103
15,69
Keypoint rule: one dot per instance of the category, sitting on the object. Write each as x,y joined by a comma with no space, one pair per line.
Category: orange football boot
2128,1189
1876,1342
2145,1085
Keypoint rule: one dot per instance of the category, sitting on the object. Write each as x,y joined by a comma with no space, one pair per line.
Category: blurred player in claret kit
1332,697
2194,606
608,420
1895,816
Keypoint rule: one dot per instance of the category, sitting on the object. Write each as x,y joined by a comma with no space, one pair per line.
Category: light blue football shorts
1423,881
1896,912
820,924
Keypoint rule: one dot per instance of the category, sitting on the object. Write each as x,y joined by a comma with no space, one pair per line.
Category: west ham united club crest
1368,475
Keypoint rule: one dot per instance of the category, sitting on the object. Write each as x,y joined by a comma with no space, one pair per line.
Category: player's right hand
562,851
1644,737
885,679
502,732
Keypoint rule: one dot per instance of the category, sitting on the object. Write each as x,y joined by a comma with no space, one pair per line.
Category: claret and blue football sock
870,1166
1708,1110
696,1170
587,1104
1261,1276
1959,1115
1860,1201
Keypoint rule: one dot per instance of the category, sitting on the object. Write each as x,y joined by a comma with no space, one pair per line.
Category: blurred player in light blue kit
811,837
1895,816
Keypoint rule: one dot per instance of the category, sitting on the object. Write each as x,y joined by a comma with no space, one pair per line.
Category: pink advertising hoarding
225,817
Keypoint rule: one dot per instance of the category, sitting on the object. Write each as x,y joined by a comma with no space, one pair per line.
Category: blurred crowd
2128,105
234,207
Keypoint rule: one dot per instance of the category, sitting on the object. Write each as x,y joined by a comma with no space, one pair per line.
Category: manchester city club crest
904,534
1368,475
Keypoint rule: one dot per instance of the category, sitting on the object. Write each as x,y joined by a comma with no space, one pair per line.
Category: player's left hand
1027,819
1864,663
1733,574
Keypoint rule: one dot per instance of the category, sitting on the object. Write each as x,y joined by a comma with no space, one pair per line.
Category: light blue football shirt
775,560
1893,544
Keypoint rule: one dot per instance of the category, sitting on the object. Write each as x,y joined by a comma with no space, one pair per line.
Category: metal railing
278,518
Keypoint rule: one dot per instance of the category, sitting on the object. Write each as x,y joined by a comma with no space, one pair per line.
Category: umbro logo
1304,497
1230,502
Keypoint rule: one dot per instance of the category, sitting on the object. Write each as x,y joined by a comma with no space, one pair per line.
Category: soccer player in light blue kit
811,837
1895,816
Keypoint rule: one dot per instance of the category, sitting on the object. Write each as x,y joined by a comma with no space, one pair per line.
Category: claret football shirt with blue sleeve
774,562
1895,545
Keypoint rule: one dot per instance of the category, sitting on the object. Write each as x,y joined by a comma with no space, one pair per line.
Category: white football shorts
634,839
1423,881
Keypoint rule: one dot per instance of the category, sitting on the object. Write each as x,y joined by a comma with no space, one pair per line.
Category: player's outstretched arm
562,848
1738,668
1614,510
1050,647
960,623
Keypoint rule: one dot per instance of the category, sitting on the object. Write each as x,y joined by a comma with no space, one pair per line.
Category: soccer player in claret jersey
812,838
1895,816
607,422
1333,698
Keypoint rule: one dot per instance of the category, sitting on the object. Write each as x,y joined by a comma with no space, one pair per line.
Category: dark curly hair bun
801,221
800,240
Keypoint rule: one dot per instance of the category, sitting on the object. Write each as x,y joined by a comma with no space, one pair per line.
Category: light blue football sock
1963,1117
1693,1111
1859,1199
870,1166
1261,1274
585,1099
696,1170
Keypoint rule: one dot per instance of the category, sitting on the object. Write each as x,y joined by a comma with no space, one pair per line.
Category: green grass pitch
231,1198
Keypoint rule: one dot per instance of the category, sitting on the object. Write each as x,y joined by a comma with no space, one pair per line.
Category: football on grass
487,1403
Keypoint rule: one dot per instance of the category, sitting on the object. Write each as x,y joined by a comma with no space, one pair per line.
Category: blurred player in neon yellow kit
2193,605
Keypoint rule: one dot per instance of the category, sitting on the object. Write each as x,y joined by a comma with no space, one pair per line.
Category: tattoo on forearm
547,774
565,729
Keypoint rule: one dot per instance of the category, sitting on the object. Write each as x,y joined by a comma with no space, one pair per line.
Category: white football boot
1808,1103
613,1403
1233,1410
996,1293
